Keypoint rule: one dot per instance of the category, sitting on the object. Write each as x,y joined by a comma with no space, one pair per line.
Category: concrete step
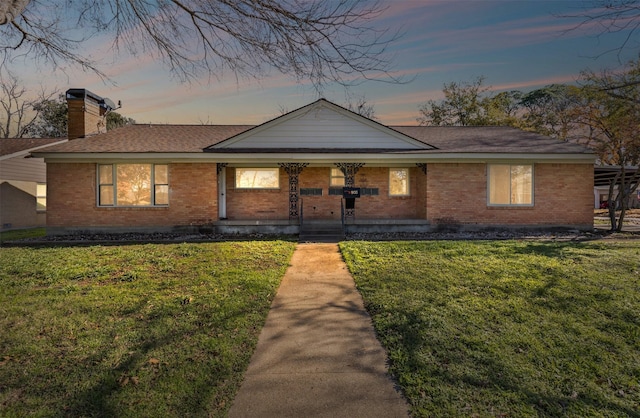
321,232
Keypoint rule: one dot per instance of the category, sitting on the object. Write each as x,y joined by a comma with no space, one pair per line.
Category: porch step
321,232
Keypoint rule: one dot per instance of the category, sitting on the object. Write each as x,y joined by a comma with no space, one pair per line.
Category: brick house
298,168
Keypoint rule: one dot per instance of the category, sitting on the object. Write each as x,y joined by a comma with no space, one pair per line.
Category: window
398,181
257,178
41,197
133,185
510,184
336,178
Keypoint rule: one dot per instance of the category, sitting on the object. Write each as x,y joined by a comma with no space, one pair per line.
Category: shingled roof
195,138
10,146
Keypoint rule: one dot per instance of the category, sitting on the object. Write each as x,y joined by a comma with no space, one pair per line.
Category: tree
18,112
360,106
504,108
614,129
116,120
322,41
52,118
550,111
612,16
464,104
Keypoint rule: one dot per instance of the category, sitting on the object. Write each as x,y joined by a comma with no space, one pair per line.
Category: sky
514,44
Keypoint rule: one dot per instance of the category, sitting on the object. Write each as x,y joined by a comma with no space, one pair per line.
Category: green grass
22,234
507,328
132,330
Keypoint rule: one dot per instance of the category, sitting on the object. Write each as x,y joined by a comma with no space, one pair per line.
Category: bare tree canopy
613,16
316,40
19,112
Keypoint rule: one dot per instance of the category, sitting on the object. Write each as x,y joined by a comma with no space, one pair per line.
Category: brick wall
274,204
71,200
448,193
84,116
250,204
563,195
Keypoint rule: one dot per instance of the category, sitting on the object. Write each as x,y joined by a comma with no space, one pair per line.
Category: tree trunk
622,198
612,203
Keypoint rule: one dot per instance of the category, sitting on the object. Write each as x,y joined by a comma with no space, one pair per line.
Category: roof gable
321,125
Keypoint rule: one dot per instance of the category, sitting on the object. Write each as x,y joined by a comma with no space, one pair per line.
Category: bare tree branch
18,111
612,16
316,40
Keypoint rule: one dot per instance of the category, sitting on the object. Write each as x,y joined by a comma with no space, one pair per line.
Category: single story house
23,182
319,163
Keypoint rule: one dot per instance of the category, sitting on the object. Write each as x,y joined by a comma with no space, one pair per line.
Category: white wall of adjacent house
22,192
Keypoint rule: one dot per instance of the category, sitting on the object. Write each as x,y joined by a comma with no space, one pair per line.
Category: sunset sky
514,44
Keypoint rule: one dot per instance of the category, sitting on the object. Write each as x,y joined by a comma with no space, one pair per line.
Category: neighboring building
604,175
293,169
23,184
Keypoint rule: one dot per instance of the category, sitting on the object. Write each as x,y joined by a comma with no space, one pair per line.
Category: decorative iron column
422,166
293,170
349,170
220,167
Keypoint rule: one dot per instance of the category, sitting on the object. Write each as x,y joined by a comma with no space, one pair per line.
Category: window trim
114,185
510,204
408,189
274,169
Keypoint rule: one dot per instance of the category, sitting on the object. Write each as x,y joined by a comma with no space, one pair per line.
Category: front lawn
132,330
507,328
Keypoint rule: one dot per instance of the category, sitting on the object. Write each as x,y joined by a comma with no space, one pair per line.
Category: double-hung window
510,185
336,178
398,182
133,185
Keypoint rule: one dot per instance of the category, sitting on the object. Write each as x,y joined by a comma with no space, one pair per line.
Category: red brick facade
563,195
72,199
447,193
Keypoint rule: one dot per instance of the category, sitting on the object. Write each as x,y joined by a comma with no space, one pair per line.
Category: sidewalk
317,355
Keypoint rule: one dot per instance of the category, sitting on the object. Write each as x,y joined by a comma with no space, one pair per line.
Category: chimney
86,113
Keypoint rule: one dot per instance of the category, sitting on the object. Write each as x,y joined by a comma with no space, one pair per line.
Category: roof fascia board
228,143
369,158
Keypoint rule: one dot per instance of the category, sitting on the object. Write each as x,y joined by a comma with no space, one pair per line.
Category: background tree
614,129
550,111
464,104
360,106
317,40
52,118
116,120
18,112
504,108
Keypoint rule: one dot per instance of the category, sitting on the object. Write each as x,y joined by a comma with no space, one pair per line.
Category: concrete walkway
317,355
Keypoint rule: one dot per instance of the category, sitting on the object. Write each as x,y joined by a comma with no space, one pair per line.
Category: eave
371,159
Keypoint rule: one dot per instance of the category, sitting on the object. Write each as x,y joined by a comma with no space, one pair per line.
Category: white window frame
274,170
511,203
407,186
114,185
